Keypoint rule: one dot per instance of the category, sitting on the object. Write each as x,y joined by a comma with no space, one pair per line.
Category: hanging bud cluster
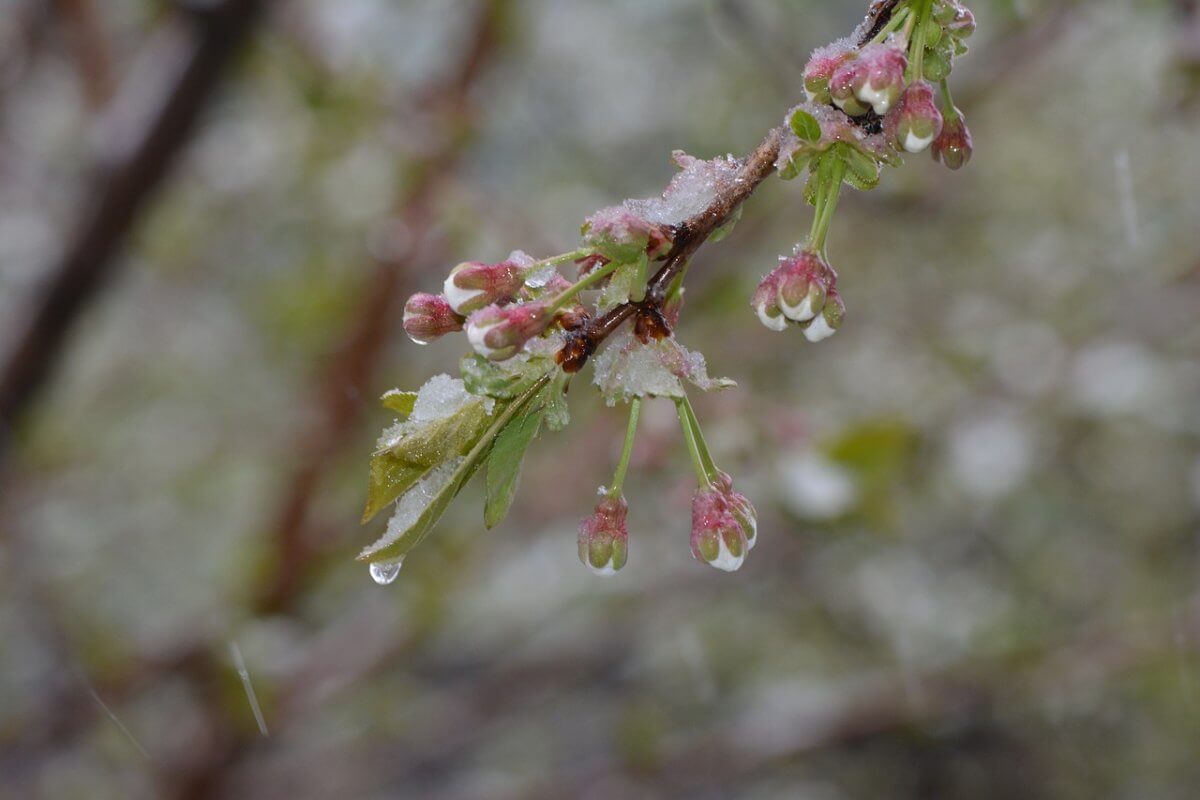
868,107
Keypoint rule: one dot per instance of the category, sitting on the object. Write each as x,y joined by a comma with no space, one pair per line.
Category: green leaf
400,402
805,125
394,469
502,380
558,413
390,550
726,229
504,463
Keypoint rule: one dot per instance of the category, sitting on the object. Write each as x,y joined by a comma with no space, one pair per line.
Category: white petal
819,330
801,312
458,297
877,99
917,144
774,323
604,571
726,560
475,334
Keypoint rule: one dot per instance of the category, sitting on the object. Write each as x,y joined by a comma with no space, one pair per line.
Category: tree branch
186,84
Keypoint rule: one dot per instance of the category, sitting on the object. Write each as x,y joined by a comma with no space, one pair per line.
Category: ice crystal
692,190
628,368
440,397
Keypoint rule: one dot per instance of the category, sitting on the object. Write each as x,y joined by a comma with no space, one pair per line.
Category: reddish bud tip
718,538
473,284
499,332
916,121
604,537
429,316
953,147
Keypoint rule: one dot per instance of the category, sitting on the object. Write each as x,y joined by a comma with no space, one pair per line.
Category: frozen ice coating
691,190
440,397
628,368
413,503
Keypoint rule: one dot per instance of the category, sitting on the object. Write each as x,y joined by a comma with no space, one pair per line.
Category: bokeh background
977,574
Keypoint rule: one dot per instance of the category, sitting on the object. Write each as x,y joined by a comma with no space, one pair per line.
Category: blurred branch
147,127
92,54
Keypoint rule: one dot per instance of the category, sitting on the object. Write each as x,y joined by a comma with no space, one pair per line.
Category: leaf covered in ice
628,368
422,505
445,421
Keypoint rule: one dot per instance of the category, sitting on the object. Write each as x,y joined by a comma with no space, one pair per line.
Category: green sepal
805,126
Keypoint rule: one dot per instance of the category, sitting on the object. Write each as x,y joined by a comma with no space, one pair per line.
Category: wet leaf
504,463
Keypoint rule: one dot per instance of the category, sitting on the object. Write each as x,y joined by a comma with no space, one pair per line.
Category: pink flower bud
802,282
953,147
820,69
429,316
766,305
740,507
604,537
621,234
499,332
916,121
831,318
718,538
473,284
875,79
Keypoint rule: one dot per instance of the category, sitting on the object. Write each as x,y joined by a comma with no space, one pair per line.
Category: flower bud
962,24
741,509
802,282
875,79
499,332
473,284
429,316
953,147
619,233
766,304
916,122
819,70
718,539
831,318
604,537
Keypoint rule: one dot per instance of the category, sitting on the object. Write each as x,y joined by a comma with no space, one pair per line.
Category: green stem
593,277
898,18
917,52
689,436
635,408
554,261
949,110
828,193
710,467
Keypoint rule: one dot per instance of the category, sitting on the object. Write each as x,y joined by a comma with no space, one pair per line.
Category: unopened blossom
820,69
765,303
472,285
824,325
617,231
604,536
795,292
873,80
953,147
429,316
959,21
740,507
916,121
718,538
499,332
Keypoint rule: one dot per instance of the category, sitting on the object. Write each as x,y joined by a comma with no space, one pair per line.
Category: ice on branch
692,190
412,504
628,368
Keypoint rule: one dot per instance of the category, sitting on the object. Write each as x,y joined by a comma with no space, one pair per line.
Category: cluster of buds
801,291
870,80
724,525
604,536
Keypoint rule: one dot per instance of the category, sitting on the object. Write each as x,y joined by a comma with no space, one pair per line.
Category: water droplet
384,572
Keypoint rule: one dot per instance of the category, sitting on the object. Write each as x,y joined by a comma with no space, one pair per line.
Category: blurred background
978,568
